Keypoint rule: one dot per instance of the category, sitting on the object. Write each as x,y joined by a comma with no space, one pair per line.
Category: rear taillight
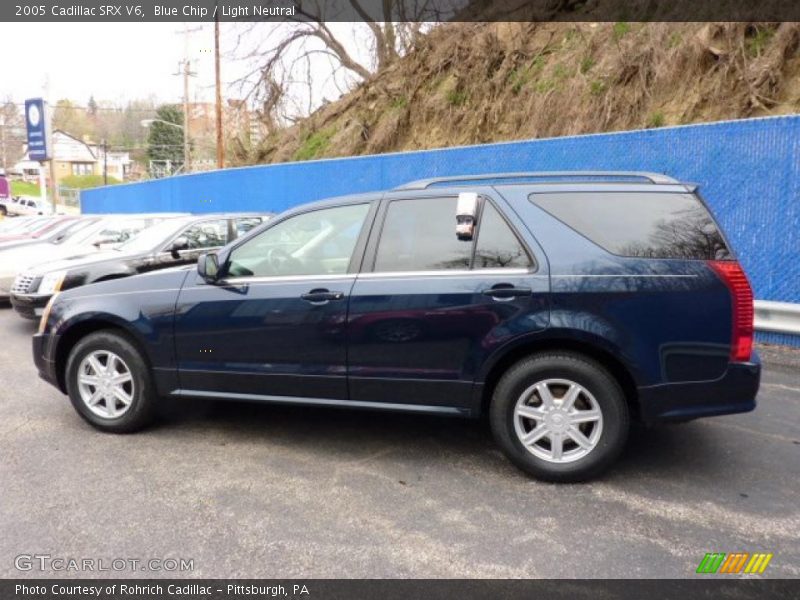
732,274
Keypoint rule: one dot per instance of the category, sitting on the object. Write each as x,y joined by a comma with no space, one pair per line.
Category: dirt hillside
470,83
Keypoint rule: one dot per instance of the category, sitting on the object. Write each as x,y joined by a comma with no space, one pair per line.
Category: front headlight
51,282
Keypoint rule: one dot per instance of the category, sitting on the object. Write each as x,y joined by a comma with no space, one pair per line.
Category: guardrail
778,317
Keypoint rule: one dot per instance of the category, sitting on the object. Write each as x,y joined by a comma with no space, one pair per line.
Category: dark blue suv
563,305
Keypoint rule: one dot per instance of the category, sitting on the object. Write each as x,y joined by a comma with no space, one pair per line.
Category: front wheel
109,383
560,417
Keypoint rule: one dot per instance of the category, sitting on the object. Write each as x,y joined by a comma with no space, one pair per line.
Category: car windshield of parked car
53,227
113,230
42,224
319,242
72,229
153,238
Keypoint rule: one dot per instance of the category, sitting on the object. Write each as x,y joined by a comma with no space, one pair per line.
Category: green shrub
755,44
656,120
457,97
23,188
587,62
314,145
620,29
544,85
84,182
521,76
560,72
597,87
399,102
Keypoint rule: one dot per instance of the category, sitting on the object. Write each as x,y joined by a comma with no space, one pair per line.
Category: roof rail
655,178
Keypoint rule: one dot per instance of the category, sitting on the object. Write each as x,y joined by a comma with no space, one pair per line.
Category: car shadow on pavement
664,450
330,427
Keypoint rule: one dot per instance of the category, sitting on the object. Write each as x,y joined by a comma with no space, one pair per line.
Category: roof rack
655,178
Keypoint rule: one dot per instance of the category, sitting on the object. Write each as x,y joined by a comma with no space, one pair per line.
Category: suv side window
245,224
639,224
320,242
208,234
498,246
419,235
119,231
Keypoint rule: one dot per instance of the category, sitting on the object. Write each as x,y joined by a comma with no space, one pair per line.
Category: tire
3,210
98,405
547,380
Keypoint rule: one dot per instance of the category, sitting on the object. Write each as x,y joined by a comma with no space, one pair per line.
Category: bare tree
12,133
283,54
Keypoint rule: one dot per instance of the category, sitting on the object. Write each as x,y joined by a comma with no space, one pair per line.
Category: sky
116,62
112,61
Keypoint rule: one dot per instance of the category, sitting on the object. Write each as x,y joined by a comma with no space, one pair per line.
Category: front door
274,325
430,307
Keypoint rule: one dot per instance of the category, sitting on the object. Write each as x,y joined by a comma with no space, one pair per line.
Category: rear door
428,308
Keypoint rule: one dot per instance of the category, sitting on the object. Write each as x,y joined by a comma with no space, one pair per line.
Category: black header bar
734,588
398,10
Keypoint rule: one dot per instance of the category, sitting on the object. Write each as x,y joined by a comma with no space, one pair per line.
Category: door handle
506,291
321,296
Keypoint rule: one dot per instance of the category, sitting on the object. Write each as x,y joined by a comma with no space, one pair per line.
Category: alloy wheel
105,384
558,420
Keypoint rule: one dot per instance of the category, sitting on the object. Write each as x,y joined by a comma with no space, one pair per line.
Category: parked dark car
563,305
84,236
172,242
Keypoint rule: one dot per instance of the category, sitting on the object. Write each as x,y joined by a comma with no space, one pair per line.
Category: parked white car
27,205
104,234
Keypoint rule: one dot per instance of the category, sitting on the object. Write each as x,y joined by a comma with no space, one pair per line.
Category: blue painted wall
748,170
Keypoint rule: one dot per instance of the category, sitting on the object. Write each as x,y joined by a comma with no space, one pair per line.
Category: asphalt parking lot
268,491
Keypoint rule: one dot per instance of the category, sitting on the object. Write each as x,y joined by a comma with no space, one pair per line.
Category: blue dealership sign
38,126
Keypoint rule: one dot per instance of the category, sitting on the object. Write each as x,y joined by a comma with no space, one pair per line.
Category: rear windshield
640,224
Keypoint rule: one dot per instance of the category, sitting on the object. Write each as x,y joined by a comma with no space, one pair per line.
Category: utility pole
186,71
105,162
3,140
53,184
187,153
42,183
218,83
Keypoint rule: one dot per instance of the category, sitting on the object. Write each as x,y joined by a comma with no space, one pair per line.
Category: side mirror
208,266
466,212
180,243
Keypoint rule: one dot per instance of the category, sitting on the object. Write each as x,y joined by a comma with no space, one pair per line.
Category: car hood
147,283
45,255
81,260
14,237
18,243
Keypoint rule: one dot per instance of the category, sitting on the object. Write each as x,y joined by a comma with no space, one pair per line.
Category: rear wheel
560,417
3,210
109,383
